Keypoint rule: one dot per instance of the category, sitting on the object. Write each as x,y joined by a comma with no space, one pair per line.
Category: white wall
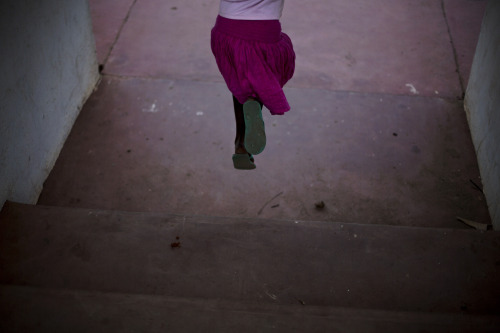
482,104
48,68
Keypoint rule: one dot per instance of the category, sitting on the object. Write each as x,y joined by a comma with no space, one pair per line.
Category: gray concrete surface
51,311
375,132
386,277
161,150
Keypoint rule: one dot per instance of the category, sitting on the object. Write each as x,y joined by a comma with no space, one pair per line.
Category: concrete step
28,309
267,263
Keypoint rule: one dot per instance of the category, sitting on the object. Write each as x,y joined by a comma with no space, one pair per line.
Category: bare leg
239,141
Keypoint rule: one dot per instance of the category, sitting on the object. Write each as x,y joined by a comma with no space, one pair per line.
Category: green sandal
255,134
243,162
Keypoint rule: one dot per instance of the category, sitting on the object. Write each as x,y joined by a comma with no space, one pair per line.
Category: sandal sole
255,133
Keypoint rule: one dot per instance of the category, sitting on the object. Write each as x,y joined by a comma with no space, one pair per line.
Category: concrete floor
377,129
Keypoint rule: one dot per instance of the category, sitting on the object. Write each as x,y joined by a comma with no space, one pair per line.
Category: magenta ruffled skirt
255,59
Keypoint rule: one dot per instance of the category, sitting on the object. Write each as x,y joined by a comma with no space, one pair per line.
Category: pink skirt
255,59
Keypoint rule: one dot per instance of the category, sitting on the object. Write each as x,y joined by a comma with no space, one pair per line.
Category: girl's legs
239,142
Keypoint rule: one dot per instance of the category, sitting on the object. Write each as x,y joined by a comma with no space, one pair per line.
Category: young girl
256,60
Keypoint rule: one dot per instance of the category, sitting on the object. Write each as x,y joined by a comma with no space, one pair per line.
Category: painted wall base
48,68
482,105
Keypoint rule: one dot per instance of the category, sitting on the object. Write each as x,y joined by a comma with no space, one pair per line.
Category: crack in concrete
118,34
454,49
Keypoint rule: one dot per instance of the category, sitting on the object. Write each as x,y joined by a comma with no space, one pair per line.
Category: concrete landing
376,131
81,261
166,145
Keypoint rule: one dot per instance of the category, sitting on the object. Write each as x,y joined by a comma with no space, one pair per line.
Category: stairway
376,132
81,270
